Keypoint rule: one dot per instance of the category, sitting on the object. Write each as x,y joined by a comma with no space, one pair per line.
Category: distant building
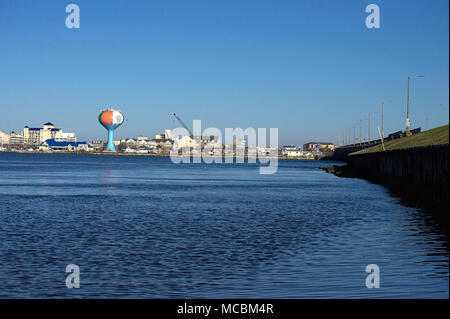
294,153
36,136
283,150
4,138
184,141
311,146
52,145
166,136
98,145
239,144
65,137
16,139
163,142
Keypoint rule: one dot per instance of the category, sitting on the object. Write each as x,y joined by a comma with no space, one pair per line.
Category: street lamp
360,130
354,134
408,121
382,119
368,128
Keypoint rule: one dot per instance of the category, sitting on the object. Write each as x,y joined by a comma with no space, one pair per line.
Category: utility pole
354,134
368,131
360,131
382,119
408,120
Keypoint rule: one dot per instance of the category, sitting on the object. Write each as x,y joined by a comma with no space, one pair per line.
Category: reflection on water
106,180
144,227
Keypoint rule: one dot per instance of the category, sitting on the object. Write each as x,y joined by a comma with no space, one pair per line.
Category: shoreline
159,155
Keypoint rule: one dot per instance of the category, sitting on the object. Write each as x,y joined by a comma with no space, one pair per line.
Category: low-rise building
283,150
313,146
184,141
4,138
16,140
98,145
65,137
52,145
294,153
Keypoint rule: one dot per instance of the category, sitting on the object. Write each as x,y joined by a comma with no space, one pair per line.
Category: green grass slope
435,136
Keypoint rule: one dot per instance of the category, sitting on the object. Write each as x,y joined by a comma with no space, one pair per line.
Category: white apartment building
4,138
65,137
36,136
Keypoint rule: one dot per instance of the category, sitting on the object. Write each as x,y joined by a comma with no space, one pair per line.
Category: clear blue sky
310,68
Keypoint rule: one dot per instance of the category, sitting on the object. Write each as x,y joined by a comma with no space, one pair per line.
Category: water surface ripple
142,227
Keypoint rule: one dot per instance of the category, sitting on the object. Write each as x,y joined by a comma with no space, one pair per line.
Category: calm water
144,227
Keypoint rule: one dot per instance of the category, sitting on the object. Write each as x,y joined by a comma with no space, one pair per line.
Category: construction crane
184,125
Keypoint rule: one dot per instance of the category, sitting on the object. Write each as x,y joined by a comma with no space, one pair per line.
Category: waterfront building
98,145
52,145
4,138
16,139
160,137
65,137
184,141
285,148
294,153
35,136
318,146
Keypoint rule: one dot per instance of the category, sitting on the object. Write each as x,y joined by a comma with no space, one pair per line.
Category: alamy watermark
208,146
73,19
373,279
373,19
73,279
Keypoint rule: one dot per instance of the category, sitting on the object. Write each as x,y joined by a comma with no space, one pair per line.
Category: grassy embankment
435,136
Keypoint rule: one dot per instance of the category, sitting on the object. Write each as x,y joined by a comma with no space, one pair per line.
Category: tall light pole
360,131
408,120
382,119
368,128
354,134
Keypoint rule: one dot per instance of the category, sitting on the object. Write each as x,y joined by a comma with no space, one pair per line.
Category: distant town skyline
312,68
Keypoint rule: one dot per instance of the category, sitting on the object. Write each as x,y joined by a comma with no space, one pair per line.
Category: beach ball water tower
110,119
